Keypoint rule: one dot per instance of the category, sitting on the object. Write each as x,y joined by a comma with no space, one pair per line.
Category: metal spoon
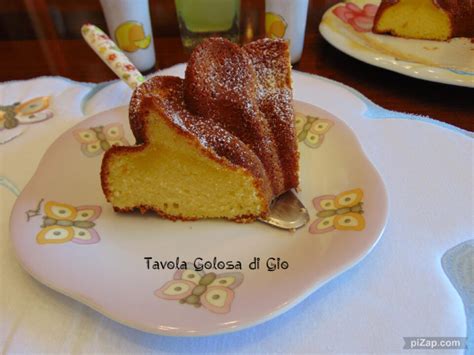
286,211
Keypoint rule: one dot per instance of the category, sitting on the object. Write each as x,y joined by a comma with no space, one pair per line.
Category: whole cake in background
219,144
426,19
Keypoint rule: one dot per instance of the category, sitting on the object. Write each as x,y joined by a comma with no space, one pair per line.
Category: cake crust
221,83
275,100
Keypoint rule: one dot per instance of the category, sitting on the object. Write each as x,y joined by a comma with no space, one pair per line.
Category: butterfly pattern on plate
339,212
96,140
64,223
14,116
212,291
311,129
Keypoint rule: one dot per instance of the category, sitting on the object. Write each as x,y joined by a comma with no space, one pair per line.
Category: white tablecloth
399,290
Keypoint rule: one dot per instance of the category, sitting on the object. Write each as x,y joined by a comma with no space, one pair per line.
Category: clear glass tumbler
200,19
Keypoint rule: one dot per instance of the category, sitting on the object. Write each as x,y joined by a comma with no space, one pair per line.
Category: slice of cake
219,144
426,19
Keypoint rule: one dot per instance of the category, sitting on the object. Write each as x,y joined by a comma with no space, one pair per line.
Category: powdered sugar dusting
236,102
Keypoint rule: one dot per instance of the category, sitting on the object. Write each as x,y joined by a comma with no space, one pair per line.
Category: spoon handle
111,54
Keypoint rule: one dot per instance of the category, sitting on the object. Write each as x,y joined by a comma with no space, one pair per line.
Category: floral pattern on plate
14,116
212,291
64,223
311,129
96,140
361,20
342,212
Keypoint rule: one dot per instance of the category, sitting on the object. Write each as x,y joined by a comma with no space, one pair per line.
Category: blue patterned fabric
458,264
9,185
462,72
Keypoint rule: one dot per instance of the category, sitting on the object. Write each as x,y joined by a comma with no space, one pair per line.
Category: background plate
450,62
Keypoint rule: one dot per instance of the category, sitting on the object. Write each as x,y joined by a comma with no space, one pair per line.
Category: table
41,37
398,290
403,288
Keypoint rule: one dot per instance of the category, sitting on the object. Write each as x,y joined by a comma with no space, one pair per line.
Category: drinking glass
200,19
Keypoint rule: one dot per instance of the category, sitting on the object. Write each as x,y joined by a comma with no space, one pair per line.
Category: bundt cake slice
426,19
187,167
205,145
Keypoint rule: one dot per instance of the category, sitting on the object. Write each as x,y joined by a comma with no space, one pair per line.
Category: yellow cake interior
415,19
174,176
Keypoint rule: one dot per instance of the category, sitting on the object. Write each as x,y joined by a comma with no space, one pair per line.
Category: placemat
404,288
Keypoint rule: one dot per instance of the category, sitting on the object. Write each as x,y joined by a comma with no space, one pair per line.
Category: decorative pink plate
68,237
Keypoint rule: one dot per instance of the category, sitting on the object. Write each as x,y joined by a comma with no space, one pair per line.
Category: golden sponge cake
205,144
426,19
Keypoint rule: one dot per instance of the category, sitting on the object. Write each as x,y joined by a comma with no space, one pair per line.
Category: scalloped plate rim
302,295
